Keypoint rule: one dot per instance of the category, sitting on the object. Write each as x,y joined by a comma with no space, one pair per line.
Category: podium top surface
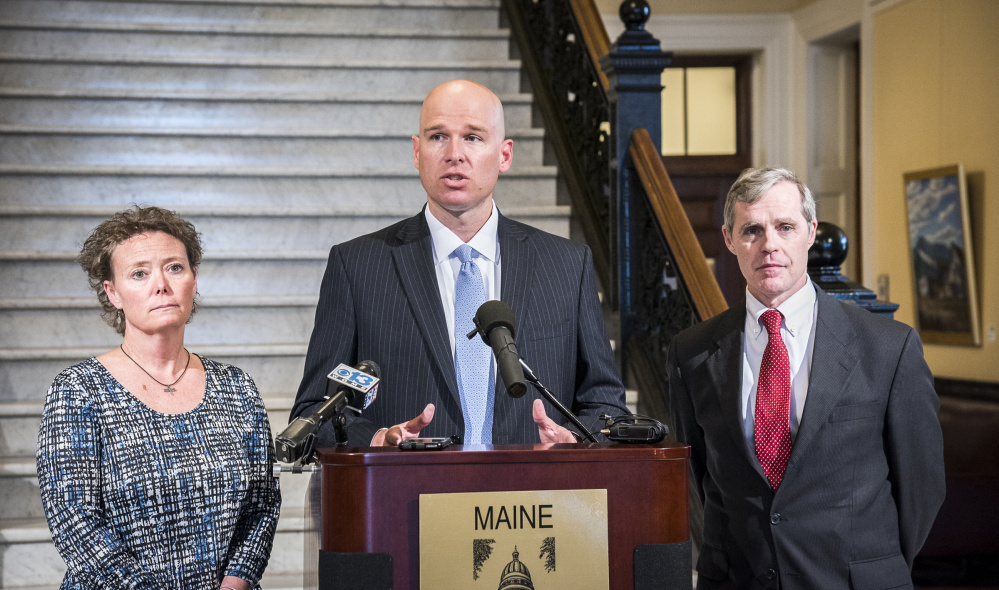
457,454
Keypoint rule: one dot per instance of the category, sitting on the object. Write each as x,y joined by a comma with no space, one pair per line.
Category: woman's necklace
166,388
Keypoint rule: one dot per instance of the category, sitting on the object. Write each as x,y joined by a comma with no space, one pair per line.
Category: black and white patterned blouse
139,499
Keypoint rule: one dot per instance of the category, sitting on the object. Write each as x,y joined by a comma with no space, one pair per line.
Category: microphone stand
530,376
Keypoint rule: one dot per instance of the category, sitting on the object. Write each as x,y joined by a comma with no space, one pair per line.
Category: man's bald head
460,151
472,94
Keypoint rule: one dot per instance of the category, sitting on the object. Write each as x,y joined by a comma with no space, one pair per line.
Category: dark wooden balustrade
559,53
672,283
592,94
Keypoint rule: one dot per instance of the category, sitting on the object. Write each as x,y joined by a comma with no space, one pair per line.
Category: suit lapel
413,258
724,366
517,263
832,362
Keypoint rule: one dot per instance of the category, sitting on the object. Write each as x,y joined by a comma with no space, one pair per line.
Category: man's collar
445,241
796,309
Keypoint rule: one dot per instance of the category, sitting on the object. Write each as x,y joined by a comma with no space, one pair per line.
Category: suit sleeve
333,341
598,388
685,427
915,447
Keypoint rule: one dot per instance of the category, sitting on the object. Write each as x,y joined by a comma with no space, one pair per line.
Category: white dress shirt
446,264
798,332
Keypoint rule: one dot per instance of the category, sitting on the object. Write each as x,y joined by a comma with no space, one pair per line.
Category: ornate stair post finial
634,14
633,65
824,260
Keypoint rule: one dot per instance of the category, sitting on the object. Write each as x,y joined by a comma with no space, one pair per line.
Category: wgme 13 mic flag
346,387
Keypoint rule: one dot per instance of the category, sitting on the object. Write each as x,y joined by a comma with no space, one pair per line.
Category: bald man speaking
404,297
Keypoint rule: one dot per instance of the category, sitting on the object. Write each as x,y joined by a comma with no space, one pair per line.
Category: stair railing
673,284
601,108
560,58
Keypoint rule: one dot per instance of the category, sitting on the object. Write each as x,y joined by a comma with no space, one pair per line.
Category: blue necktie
472,358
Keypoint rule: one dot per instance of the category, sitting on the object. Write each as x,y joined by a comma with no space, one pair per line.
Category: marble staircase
279,127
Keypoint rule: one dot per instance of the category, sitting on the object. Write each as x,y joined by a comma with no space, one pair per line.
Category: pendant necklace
166,388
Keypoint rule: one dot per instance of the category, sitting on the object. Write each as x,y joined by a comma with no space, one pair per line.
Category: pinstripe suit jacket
865,478
380,301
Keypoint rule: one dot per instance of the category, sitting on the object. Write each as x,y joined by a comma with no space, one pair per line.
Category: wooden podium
368,513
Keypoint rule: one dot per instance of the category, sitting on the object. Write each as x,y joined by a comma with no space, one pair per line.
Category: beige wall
710,6
936,102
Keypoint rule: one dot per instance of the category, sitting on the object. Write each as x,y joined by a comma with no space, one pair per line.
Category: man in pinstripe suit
389,297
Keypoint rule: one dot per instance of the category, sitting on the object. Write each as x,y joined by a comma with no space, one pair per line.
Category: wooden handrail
693,265
594,33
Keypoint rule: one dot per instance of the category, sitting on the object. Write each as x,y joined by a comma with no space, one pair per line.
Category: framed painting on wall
943,267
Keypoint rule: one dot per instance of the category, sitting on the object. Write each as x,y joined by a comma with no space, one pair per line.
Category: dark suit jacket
379,301
865,478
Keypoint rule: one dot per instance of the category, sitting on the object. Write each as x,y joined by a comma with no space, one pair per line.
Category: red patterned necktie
773,403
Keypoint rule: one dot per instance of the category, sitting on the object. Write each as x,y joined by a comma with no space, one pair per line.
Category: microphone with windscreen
495,322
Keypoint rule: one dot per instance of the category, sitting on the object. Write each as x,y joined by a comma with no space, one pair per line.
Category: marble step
208,110
294,188
19,431
428,14
195,146
19,487
20,420
25,374
31,560
235,230
19,482
190,73
271,274
261,39
48,328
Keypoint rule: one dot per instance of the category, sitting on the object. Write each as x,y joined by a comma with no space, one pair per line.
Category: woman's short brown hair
95,256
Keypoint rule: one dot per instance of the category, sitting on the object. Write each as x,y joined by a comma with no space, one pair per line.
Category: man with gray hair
815,445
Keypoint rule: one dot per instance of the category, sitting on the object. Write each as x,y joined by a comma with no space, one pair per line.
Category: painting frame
941,259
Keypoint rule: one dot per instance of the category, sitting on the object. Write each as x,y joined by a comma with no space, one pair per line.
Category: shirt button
771,574
775,518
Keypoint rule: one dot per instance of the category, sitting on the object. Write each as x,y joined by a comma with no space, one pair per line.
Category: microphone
346,387
495,322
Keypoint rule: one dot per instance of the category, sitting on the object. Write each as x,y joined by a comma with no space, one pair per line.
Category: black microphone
345,387
495,322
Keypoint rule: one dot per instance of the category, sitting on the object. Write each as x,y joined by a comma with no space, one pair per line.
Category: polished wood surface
594,34
371,495
701,283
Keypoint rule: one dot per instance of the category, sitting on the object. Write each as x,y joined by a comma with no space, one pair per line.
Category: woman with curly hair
155,464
